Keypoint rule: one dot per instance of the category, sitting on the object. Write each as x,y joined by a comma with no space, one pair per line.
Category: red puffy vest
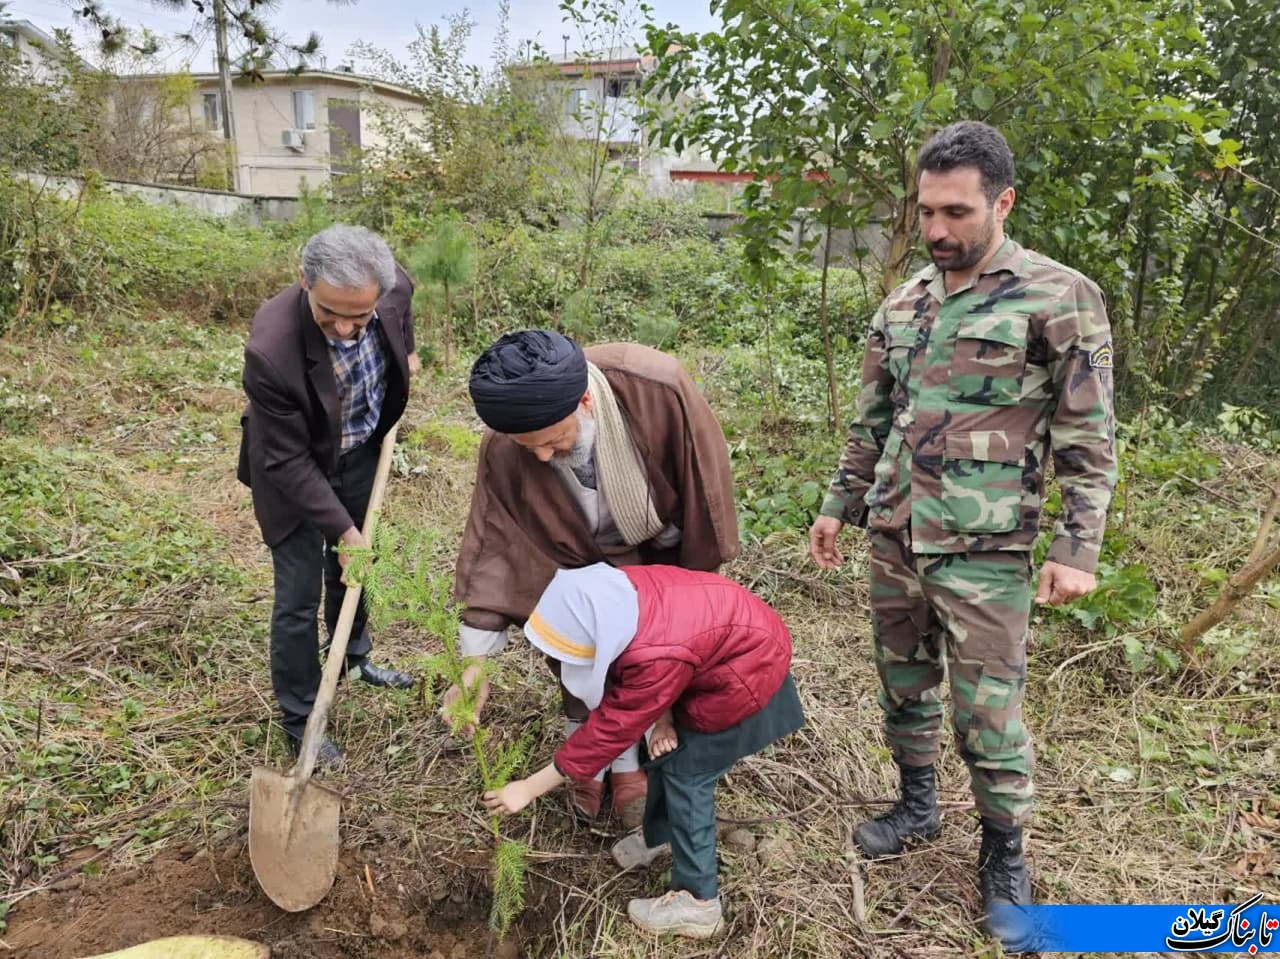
709,649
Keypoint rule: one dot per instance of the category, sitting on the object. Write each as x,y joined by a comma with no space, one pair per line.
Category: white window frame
575,101
304,110
212,118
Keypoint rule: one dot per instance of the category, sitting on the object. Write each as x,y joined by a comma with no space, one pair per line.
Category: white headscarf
585,619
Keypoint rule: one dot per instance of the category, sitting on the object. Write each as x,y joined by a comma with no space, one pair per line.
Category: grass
134,697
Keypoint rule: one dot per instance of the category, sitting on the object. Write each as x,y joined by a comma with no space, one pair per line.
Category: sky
385,23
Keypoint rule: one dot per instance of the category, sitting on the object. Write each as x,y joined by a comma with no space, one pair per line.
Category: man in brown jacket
326,371
609,454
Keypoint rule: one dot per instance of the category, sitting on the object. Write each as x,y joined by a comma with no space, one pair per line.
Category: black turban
528,381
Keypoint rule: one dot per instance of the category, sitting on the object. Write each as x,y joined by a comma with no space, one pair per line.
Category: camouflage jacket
963,397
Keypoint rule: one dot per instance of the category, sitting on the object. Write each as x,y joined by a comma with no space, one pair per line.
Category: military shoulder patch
1103,357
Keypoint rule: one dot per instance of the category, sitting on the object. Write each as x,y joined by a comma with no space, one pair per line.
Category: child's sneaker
630,851
679,913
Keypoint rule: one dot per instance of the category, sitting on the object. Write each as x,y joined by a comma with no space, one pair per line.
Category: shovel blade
192,947
293,838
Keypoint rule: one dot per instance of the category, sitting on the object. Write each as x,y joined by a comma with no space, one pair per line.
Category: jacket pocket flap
989,446
1009,329
901,318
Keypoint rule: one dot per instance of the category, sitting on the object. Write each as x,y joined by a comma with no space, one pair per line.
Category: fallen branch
906,910
1217,494
859,887
1261,562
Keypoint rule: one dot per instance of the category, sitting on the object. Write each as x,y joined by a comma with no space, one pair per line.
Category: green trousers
964,615
681,803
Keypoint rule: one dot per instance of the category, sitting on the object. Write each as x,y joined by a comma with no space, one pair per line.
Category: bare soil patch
190,891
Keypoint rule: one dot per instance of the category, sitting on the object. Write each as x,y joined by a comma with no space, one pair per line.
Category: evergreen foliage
400,587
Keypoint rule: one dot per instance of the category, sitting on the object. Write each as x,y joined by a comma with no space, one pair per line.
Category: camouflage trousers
963,615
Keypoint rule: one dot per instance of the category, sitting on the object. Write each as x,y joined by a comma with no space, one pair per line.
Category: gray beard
584,447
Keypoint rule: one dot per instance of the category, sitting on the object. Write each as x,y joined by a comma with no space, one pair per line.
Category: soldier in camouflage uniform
977,369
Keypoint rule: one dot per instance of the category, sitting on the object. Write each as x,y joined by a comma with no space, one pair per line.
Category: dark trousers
681,805
302,561
682,811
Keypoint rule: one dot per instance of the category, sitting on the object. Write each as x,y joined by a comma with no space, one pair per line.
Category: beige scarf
623,480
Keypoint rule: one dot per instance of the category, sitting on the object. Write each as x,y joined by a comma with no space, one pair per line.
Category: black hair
970,143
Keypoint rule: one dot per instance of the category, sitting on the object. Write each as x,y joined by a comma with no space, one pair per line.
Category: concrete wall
259,208
874,238
36,59
212,202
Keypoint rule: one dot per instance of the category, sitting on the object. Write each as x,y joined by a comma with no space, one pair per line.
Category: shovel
293,822
192,947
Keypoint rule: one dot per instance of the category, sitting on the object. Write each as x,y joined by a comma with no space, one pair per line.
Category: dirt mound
213,891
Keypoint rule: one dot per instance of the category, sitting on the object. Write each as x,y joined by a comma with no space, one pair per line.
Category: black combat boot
914,816
1002,876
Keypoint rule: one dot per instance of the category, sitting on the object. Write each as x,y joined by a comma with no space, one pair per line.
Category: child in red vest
704,666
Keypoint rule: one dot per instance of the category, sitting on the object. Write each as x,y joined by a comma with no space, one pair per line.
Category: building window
304,110
9,38
212,111
618,88
575,101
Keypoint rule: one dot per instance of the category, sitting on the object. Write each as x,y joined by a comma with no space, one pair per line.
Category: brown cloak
524,523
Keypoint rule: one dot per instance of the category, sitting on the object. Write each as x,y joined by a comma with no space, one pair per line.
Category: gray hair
349,257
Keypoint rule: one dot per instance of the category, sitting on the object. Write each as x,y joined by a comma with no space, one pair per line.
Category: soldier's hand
822,542
1061,584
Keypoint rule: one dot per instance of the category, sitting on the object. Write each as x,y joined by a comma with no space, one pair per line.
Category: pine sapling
400,587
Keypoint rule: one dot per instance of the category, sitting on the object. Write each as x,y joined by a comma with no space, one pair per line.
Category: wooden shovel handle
333,666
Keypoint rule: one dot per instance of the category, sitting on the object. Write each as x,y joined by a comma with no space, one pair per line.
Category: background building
599,97
301,128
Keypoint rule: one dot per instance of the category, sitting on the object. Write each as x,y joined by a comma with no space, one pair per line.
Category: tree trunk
904,224
448,323
942,54
1261,335
833,394
224,89
1139,299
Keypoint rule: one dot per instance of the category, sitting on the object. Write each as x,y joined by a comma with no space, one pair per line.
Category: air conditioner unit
295,140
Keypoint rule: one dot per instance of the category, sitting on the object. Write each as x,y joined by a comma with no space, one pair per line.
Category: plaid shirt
361,371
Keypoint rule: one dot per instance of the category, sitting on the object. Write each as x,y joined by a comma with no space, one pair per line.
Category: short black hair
970,143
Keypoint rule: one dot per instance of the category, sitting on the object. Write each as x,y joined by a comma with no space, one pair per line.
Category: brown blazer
290,435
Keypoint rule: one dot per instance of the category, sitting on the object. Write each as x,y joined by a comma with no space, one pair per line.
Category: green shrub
170,257
101,250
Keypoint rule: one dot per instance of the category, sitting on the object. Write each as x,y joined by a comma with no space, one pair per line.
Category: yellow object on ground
192,947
